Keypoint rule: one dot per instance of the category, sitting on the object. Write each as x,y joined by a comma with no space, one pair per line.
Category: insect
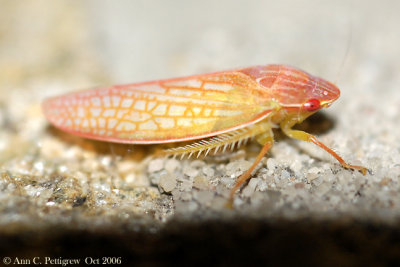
223,109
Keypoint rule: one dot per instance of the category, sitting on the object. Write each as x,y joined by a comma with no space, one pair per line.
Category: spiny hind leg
267,140
286,127
218,143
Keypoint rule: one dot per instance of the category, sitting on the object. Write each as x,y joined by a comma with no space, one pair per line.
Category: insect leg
286,127
267,139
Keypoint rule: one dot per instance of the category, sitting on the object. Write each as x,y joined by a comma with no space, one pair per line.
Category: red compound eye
312,105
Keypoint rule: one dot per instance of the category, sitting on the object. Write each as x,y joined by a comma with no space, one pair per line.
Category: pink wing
161,111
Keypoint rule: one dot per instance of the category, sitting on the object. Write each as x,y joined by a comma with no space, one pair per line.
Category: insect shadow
317,124
134,152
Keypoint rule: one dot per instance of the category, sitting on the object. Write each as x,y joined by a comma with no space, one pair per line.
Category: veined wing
161,111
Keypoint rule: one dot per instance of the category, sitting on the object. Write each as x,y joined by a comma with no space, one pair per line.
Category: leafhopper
222,109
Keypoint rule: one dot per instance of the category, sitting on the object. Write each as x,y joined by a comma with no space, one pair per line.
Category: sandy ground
49,178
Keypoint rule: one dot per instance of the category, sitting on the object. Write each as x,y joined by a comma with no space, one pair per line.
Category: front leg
286,127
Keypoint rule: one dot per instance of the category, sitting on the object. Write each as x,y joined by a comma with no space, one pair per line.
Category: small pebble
271,164
126,166
285,174
130,178
176,194
11,187
243,165
155,165
186,184
140,180
322,189
197,163
168,182
250,188
171,165
317,182
300,185
231,168
311,175
191,172
313,170
186,196
208,171
200,182
296,166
